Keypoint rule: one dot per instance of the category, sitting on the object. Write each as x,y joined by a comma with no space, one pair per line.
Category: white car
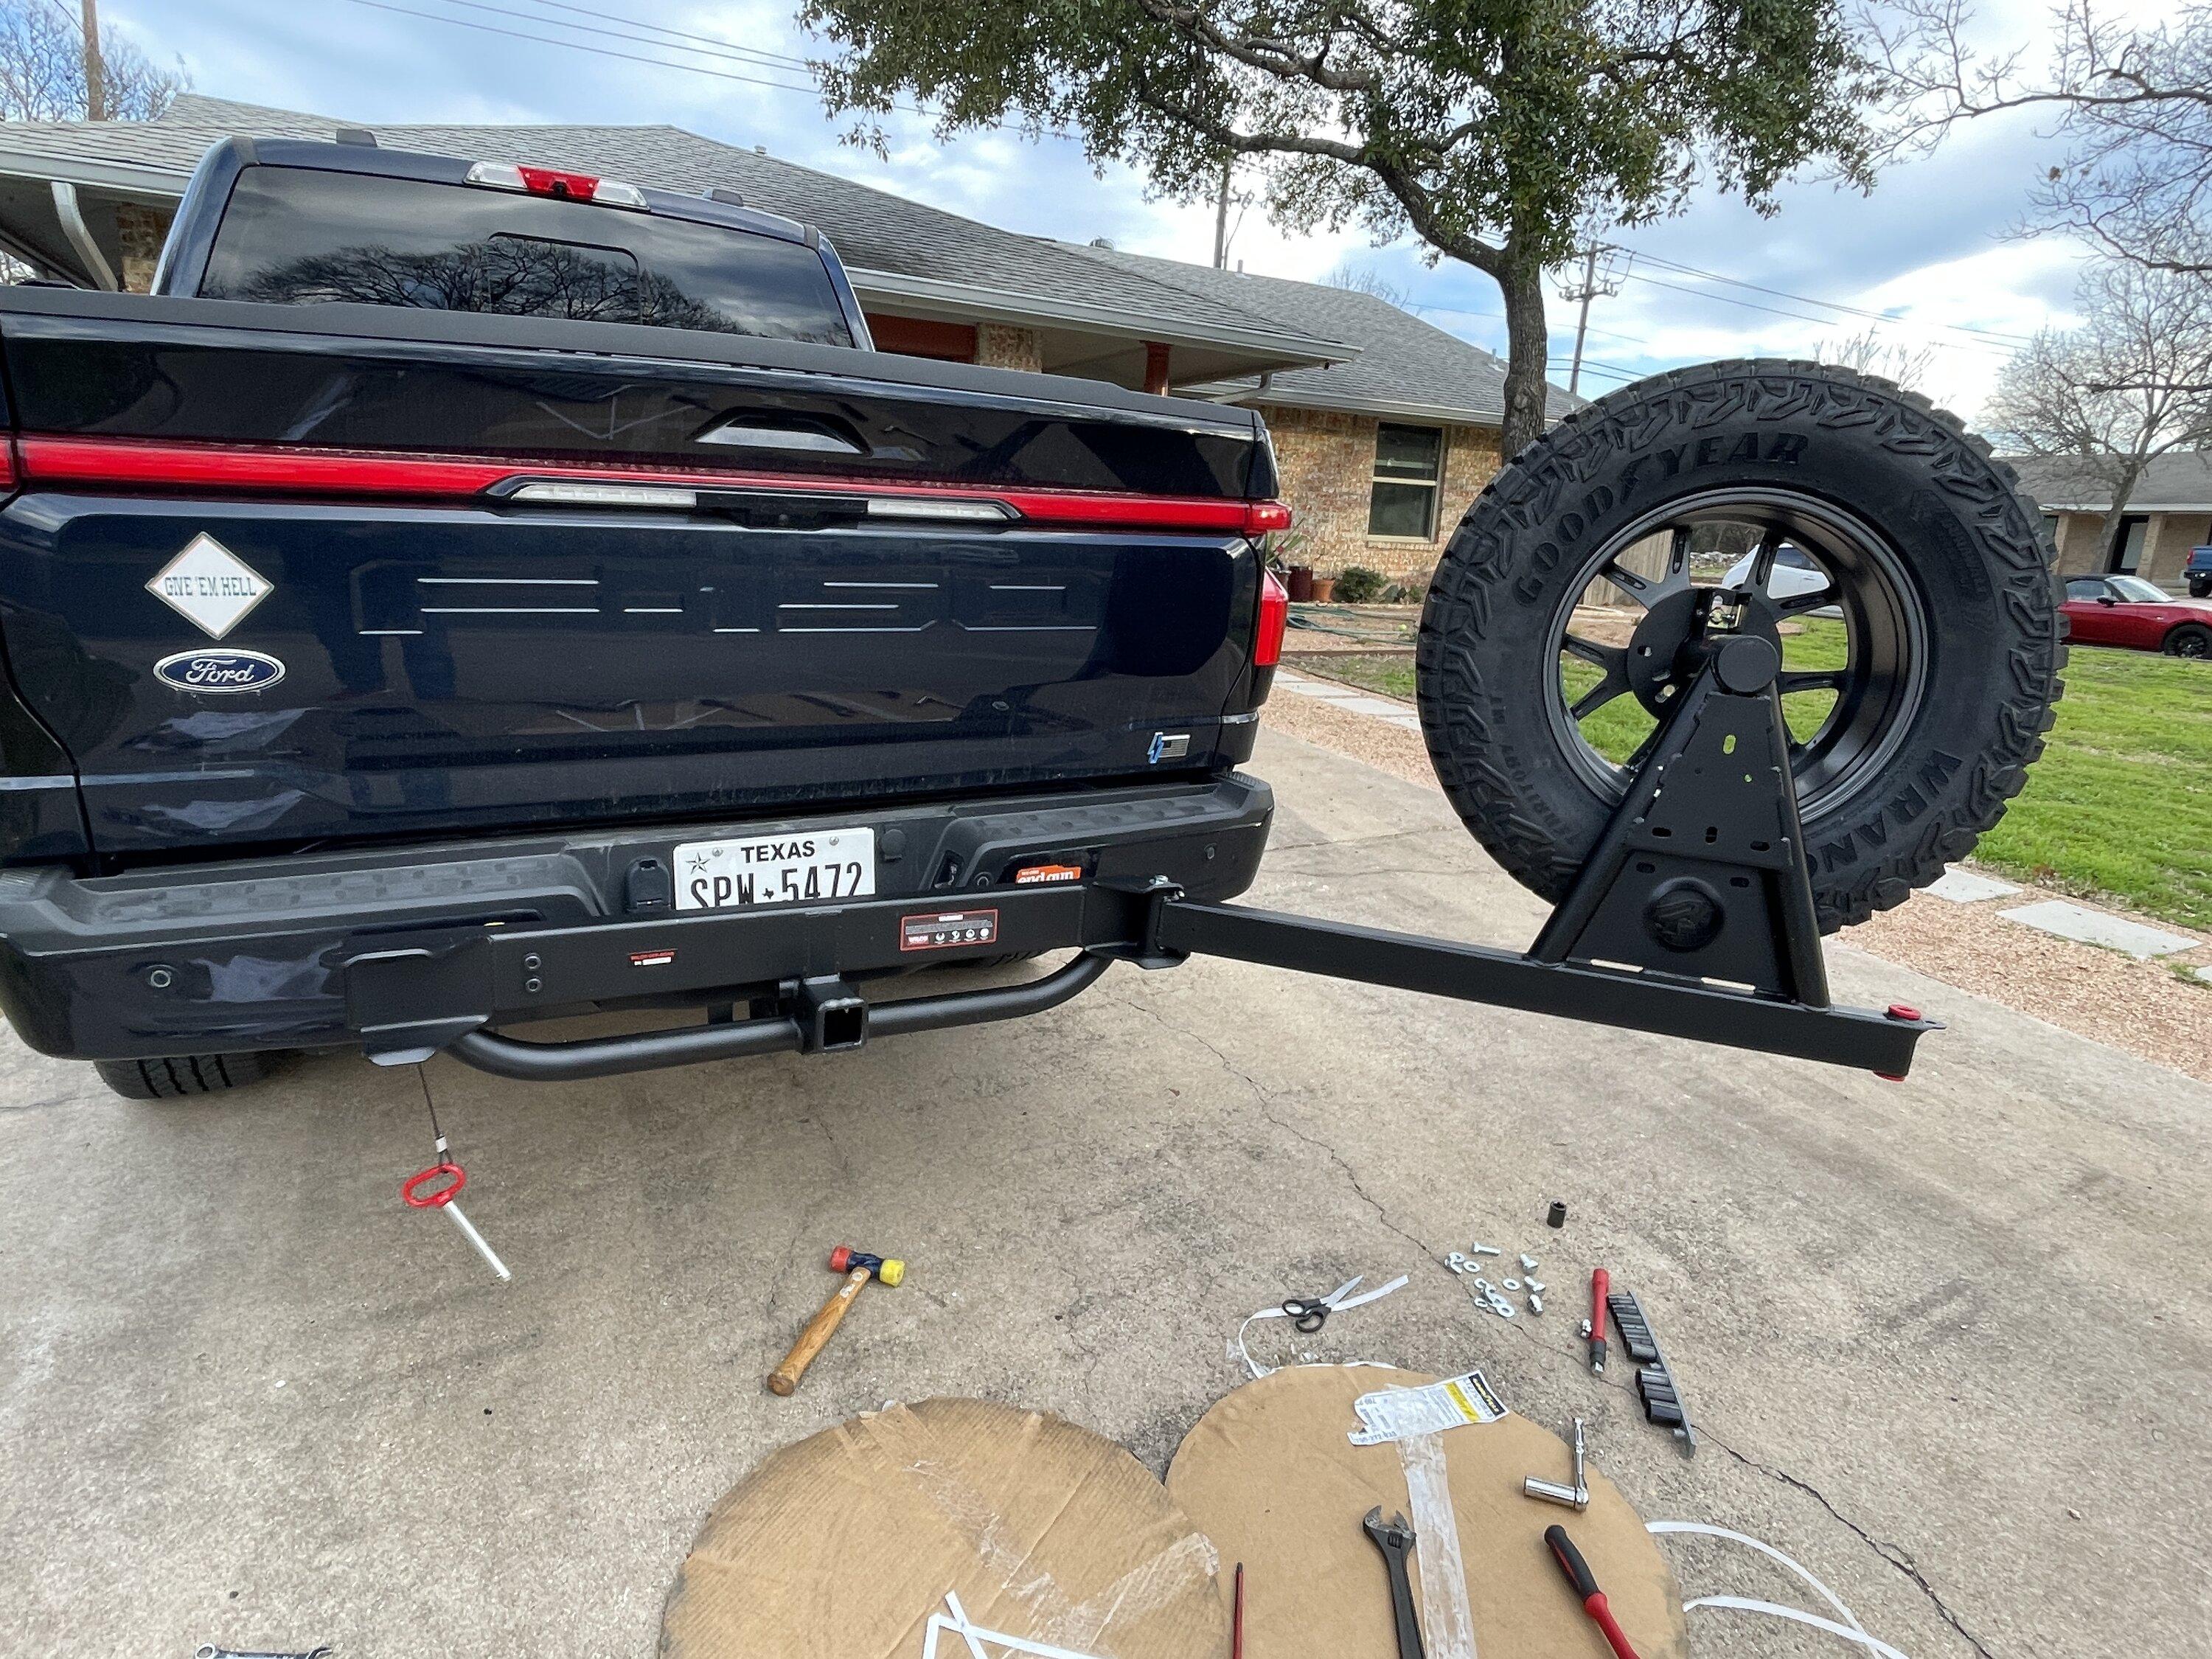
1794,576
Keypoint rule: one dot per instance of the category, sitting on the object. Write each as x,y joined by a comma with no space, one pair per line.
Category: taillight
1261,516
1274,621
554,182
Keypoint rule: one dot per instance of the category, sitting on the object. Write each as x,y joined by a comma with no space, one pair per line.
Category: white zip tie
1703,1529
1851,1629
974,1635
1775,1610
1336,1302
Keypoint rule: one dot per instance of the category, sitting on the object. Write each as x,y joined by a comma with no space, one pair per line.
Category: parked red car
2127,610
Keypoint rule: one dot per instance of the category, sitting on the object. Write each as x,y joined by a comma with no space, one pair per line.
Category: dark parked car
2198,573
2128,611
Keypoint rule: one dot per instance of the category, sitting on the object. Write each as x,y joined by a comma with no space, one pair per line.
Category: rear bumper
397,950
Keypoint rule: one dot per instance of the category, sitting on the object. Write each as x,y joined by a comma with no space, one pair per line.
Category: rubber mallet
859,1267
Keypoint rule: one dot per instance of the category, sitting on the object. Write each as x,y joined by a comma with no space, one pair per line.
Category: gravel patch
2159,1011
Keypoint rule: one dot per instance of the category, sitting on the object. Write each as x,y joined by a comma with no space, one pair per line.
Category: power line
734,54
2000,335
783,59
1990,347
656,62
578,45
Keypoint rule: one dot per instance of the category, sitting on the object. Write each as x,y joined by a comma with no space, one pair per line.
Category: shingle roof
1389,361
2179,480
871,229
1404,366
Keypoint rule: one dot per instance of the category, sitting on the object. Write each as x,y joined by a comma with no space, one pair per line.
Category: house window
1409,469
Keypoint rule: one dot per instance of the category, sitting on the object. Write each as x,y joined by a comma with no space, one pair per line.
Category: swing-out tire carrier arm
411,998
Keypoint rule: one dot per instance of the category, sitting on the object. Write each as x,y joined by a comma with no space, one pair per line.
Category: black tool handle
1571,1562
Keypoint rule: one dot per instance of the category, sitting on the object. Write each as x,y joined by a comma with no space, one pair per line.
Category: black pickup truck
466,593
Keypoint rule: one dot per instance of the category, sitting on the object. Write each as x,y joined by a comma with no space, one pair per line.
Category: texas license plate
800,869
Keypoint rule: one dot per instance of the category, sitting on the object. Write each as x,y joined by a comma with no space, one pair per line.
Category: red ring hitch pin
443,1200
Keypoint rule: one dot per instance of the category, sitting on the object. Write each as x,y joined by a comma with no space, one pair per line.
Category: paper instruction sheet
1400,1413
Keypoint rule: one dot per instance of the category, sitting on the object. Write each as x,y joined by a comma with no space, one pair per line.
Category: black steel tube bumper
547,1062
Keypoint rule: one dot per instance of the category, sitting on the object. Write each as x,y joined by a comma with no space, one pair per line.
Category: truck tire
2189,639
181,1075
1937,568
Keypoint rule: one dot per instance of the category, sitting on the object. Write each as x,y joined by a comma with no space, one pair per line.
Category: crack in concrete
1266,1102
1895,1554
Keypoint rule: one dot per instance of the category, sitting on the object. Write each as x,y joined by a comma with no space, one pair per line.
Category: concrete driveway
1947,1340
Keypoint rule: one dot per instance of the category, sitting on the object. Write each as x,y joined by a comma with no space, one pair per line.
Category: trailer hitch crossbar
1693,916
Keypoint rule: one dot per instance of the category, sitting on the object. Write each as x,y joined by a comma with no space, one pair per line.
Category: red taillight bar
1274,621
137,463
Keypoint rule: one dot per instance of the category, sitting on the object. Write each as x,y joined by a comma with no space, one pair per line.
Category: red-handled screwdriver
1578,1574
1594,1327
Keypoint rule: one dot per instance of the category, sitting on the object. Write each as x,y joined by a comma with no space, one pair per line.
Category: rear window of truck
298,236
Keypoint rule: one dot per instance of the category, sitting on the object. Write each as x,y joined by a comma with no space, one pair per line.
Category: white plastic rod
476,1238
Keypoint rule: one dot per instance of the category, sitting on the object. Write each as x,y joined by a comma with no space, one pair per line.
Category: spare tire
1905,579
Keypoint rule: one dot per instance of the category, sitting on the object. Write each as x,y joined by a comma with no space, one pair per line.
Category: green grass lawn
2119,808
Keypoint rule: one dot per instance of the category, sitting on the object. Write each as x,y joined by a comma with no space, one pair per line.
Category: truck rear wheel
181,1075
1895,563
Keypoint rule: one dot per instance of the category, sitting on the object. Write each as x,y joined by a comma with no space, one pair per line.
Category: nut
1456,1263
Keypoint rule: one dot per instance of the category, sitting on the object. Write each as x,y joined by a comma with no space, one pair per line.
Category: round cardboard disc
1271,1477
842,1546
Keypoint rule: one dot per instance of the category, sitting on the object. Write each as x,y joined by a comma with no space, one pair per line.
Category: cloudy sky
1928,260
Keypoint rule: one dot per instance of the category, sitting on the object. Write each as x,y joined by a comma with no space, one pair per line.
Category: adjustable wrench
1395,1540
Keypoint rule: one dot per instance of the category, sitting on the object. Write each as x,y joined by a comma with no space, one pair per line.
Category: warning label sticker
943,930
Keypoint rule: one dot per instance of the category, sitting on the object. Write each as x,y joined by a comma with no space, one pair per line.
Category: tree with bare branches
2132,383
1490,132
1871,352
42,69
2131,102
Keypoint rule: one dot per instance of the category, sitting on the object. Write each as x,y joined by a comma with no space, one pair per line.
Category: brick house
2167,514
1385,427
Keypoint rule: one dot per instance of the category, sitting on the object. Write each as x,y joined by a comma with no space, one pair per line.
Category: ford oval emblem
220,670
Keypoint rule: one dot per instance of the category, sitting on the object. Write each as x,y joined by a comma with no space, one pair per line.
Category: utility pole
96,77
1220,215
1591,286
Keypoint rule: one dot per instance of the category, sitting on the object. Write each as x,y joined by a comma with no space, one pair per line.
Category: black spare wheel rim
1887,559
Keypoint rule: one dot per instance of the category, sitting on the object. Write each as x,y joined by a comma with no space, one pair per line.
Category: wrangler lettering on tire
1891,560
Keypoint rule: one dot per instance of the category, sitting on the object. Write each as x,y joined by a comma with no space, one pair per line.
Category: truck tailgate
268,585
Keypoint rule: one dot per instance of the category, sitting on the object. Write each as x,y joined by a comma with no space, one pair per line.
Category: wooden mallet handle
819,1330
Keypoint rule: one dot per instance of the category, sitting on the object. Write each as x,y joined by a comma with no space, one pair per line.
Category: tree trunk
2108,542
1528,343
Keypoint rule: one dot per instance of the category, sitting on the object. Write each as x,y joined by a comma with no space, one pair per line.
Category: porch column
1156,366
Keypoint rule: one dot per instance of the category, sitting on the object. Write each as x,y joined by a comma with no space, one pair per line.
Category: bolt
1536,1303
1484,1249
1529,1264
1536,1286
